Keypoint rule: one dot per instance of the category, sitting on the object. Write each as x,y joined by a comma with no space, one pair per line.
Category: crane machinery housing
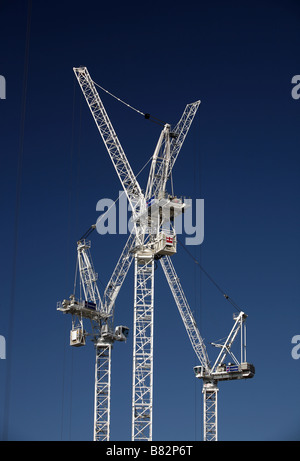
153,237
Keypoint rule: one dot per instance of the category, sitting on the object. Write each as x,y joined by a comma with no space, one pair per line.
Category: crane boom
225,348
157,160
181,130
110,139
171,145
185,311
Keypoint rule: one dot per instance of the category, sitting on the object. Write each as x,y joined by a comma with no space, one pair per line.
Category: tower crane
219,371
154,238
100,314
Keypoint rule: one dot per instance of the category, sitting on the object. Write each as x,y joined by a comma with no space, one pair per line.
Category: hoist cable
226,296
145,115
120,100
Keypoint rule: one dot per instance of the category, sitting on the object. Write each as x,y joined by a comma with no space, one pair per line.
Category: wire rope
120,100
226,296
145,115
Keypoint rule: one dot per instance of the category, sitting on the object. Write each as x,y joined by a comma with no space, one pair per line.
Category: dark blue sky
241,156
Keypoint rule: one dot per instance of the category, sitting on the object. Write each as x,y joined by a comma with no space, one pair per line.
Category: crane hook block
147,116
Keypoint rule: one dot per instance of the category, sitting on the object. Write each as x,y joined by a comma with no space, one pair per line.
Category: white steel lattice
210,405
185,310
87,273
110,139
143,348
102,393
176,142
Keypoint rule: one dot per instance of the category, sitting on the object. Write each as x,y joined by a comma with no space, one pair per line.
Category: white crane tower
100,314
153,238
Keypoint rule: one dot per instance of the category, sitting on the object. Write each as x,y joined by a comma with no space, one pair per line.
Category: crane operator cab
77,337
165,244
